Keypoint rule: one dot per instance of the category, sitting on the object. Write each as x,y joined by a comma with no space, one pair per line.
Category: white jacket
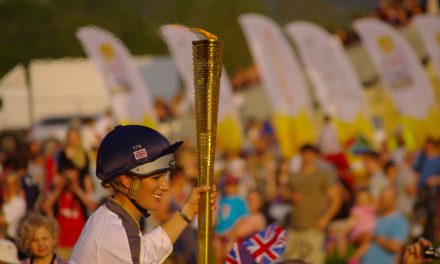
111,235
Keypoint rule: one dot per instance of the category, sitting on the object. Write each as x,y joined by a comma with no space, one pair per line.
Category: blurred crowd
360,201
243,78
363,201
397,13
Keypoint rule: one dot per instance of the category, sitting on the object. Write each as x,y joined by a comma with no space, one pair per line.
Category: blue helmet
135,150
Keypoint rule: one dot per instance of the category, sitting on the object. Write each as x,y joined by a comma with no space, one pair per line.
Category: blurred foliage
31,29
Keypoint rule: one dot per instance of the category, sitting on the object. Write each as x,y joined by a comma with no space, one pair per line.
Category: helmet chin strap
142,210
132,193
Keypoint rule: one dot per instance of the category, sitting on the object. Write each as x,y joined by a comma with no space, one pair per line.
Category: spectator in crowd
186,158
35,164
50,152
178,104
29,188
277,190
163,111
3,231
390,171
406,186
8,252
315,200
328,141
412,7
89,135
336,240
377,180
245,77
71,199
428,166
390,233
232,207
14,206
257,219
262,168
235,164
38,237
360,224
398,154
105,123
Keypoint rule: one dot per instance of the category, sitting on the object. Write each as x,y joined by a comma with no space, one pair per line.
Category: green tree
32,29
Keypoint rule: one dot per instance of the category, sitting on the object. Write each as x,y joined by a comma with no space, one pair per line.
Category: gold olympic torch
207,68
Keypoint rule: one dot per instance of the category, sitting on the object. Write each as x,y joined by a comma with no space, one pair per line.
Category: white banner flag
130,99
283,80
334,80
429,28
398,67
277,64
179,40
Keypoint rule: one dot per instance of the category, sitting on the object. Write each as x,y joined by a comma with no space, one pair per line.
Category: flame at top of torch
201,32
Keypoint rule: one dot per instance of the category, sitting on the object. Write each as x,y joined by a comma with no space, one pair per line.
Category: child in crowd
256,221
232,207
360,224
38,237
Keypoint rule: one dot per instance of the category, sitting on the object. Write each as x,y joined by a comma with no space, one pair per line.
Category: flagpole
28,81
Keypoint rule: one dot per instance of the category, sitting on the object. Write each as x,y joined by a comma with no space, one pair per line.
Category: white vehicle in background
71,87
55,128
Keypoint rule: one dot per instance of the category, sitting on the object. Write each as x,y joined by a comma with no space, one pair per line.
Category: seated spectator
428,166
328,141
38,237
390,170
377,179
8,252
257,219
50,151
231,208
28,185
14,206
406,187
390,233
360,224
336,237
163,111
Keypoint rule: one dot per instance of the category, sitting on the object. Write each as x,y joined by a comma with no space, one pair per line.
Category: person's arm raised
176,224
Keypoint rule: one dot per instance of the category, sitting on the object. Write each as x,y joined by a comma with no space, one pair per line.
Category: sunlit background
358,79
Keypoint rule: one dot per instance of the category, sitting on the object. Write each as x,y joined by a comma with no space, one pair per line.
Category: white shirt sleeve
14,211
156,246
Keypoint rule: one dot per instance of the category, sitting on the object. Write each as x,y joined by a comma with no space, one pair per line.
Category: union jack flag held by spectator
265,247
